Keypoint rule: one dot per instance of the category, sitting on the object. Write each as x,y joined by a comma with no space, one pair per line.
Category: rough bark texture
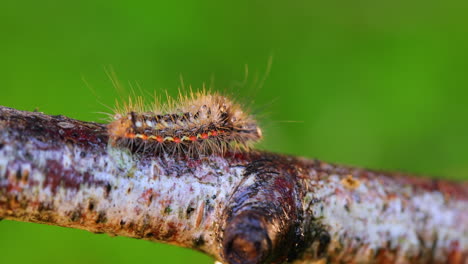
252,207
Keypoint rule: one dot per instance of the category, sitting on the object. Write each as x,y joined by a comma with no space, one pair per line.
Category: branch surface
254,207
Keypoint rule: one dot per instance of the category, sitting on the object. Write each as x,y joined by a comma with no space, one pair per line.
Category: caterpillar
197,124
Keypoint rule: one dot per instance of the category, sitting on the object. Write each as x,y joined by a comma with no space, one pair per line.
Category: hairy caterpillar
200,123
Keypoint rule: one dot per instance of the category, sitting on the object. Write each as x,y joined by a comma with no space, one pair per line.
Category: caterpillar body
199,124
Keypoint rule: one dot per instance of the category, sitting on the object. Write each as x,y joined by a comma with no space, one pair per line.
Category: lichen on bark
247,207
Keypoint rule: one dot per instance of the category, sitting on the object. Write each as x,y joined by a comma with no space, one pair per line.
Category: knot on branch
263,216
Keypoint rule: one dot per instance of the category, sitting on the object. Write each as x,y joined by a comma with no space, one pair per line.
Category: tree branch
254,207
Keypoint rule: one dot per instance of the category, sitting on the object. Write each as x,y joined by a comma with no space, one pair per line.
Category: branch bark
254,207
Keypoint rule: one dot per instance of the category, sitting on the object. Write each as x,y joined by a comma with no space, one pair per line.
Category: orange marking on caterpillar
130,135
197,124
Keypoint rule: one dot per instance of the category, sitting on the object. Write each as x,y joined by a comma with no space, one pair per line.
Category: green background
378,84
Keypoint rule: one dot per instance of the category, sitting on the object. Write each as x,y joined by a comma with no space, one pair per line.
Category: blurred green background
368,83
